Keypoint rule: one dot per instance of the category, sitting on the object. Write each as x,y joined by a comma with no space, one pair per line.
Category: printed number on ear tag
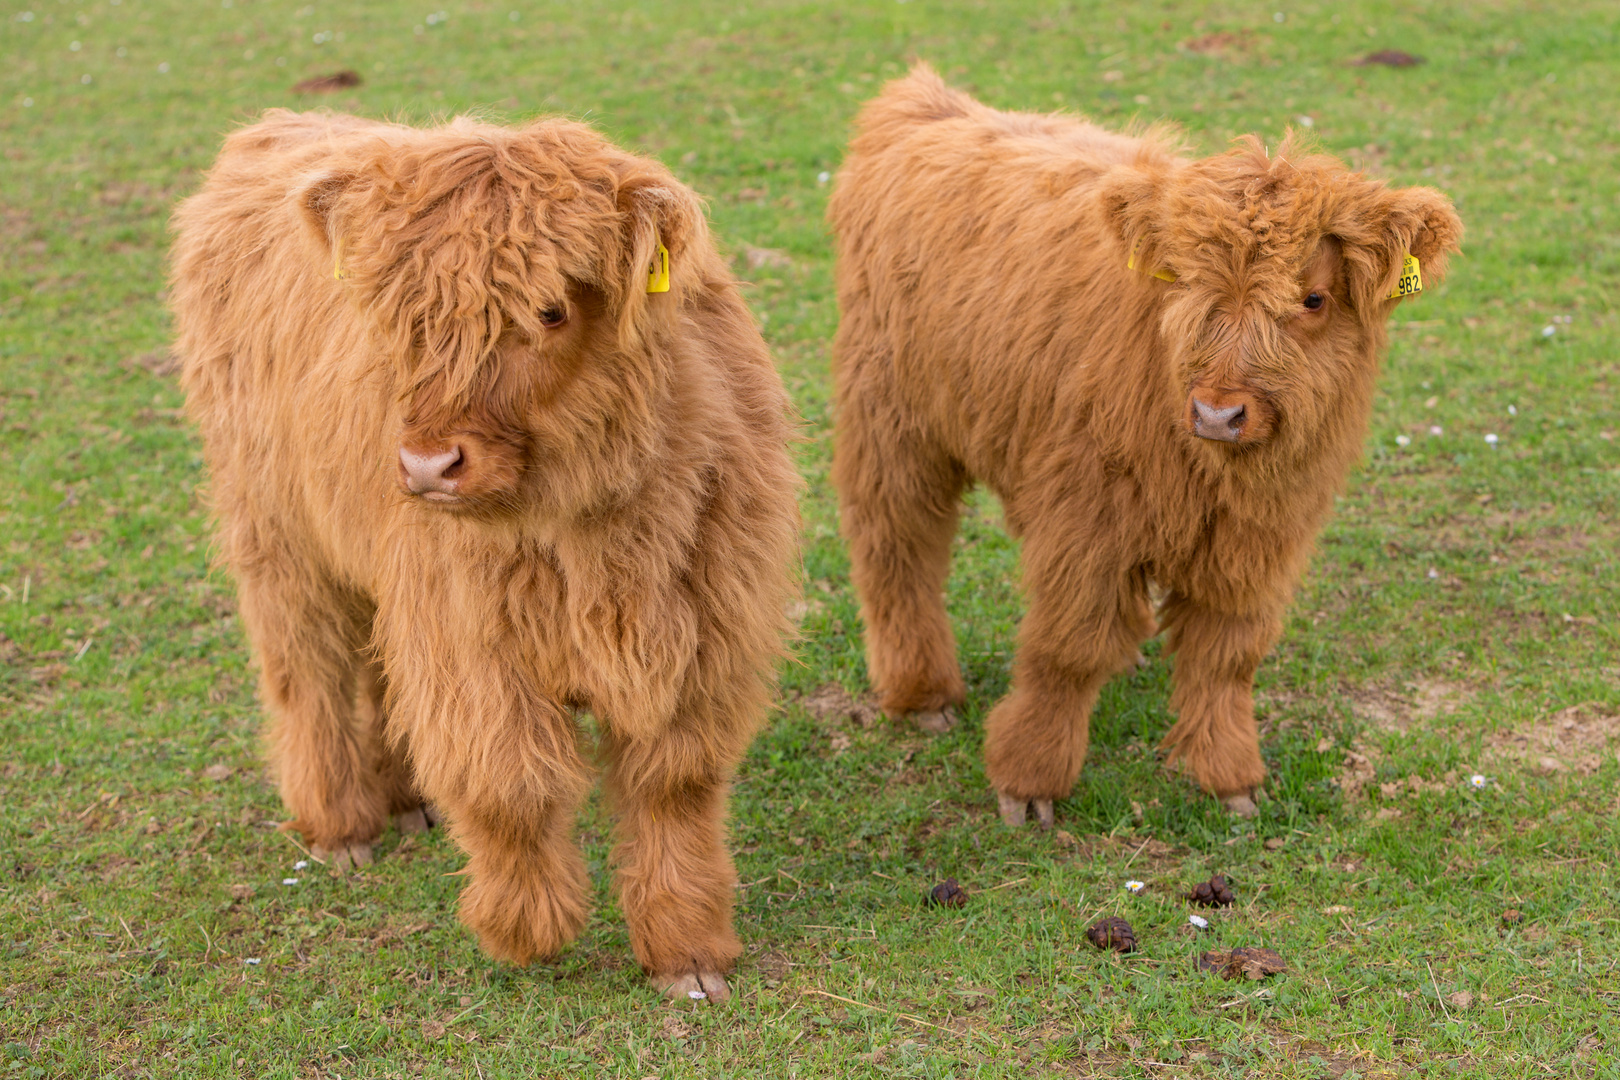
1411,282
658,273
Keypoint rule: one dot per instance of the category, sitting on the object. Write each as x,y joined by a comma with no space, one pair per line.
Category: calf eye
1314,301
553,316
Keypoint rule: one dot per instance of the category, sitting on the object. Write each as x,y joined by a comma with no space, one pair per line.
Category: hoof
1142,662
705,986
1014,812
431,813
345,858
935,723
1240,806
411,822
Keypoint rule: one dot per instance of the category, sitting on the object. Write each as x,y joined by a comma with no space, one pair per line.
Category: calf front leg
676,881
1217,654
1079,631
509,780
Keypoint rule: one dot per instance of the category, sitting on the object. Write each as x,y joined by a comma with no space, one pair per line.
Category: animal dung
326,84
1243,963
1389,58
947,894
1114,933
1212,893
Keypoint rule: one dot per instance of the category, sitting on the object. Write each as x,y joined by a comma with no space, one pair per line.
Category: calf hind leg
411,815
325,747
899,503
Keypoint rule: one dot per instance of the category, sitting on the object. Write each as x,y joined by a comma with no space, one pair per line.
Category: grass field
1459,617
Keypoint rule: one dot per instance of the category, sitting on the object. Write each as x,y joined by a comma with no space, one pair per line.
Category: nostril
454,470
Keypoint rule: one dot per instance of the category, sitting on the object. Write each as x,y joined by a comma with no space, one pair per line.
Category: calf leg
899,502
1217,654
509,781
326,753
1081,628
393,764
675,878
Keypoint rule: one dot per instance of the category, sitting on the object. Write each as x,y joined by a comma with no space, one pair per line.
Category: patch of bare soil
1222,43
160,362
833,704
1574,740
1389,709
758,258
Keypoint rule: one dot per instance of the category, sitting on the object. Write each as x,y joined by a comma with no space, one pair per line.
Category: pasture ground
1458,619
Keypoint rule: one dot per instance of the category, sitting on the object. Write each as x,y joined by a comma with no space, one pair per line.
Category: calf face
505,283
1280,271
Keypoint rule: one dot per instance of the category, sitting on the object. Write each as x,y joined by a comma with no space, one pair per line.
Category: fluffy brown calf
474,472
1186,424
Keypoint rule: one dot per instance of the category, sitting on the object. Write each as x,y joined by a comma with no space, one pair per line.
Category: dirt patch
159,362
758,258
833,704
1575,740
1224,44
1425,700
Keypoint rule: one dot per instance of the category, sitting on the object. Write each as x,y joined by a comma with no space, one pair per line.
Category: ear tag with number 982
1411,281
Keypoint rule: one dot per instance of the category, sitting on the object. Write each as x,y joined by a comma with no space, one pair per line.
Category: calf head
503,276
1280,271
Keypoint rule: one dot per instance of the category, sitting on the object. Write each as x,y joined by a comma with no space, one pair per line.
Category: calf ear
320,198
1418,221
1130,205
656,209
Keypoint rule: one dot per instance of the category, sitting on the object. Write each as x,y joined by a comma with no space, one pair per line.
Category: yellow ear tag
658,273
1411,282
1130,264
337,263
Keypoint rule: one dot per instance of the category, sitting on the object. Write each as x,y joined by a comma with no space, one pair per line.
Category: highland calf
1163,366
493,440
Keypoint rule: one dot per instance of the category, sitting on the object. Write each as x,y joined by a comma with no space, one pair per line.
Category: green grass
1462,597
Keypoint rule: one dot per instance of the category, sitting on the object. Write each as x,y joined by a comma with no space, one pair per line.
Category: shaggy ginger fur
1189,434
485,480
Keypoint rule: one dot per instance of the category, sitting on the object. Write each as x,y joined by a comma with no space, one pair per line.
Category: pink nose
428,474
1222,425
